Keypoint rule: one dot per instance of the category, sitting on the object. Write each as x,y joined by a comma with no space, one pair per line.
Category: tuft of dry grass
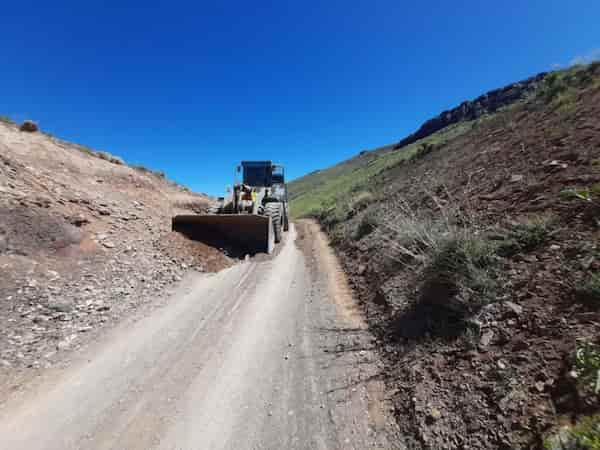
110,158
456,262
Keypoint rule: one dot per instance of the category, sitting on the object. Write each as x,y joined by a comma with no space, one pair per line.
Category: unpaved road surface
263,355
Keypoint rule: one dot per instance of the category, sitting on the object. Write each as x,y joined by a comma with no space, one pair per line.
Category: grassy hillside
475,253
318,192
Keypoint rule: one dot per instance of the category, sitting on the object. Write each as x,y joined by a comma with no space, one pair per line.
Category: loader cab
261,173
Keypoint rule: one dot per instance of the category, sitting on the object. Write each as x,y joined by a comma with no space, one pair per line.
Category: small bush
104,155
586,364
589,291
461,273
524,237
110,158
424,149
368,223
330,217
585,435
587,432
337,236
576,194
361,200
553,86
141,168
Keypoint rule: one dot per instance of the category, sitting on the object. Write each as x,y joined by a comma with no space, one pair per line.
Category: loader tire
286,220
273,210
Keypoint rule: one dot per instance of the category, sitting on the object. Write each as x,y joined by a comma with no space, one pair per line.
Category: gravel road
267,354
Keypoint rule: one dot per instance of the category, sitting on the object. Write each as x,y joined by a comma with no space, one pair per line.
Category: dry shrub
456,264
110,158
361,200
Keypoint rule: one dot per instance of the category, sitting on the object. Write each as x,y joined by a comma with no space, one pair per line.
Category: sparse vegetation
332,216
586,194
524,237
554,85
458,261
368,223
144,169
361,200
85,149
461,273
110,158
561,88
590,196
586,364
7,120
585,435
423,149
588,291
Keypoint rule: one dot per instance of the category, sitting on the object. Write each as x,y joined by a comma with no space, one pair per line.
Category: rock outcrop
470,110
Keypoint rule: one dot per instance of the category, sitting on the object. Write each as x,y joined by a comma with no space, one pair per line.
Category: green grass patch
586,364
588,193
463,268
361,200
585,435
562,88
524,237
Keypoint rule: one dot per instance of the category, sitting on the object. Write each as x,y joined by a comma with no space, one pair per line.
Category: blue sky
193,87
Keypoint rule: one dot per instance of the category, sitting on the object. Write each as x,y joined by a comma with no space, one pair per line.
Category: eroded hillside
84,238
475,252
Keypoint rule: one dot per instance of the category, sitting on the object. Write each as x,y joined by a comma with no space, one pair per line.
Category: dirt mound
191,253
84,239
477,262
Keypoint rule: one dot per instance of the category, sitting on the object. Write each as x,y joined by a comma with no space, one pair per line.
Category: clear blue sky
193,87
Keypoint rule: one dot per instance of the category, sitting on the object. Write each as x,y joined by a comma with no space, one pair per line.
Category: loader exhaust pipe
247,233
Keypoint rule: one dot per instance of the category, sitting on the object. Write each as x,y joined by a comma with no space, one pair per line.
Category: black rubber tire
286,222
273,210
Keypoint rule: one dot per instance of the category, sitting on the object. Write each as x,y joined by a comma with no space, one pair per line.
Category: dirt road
266,354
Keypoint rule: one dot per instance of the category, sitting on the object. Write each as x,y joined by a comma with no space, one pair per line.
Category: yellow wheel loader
252,217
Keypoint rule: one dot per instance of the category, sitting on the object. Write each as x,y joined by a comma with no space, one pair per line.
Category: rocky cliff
469,110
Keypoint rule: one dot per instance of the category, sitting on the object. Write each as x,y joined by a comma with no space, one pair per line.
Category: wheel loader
252,217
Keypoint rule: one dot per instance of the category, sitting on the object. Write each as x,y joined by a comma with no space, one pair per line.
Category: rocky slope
476,258
84,239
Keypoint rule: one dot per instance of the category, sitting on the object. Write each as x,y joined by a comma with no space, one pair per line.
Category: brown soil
83,240
504,385
204,257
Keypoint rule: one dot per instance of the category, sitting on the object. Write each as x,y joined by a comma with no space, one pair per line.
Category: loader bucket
246,233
